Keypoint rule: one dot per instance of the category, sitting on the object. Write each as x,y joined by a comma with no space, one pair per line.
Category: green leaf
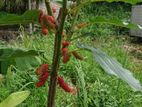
111,66
27,63
23,59
113,21
7,53
14,99
4,65
30,16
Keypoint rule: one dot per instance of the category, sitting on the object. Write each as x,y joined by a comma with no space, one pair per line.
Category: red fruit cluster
65,44
65,53
41,14
77,56
54,9
66,57
44,30
46,21
50,19
43,74
65,86
81,25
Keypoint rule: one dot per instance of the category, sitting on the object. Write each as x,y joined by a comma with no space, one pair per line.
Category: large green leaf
14,99
30,16
114,21
27,63
111,66
23,59
7,53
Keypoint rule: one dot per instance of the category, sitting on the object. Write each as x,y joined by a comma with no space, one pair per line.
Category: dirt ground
8,35
134,49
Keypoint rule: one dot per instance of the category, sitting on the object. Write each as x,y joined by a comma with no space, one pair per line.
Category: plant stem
56,58
48,7
73,22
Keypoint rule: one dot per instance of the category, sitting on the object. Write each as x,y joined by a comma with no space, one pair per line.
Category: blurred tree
12,6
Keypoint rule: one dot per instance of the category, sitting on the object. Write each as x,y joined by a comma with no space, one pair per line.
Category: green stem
73,23
56,58
48,7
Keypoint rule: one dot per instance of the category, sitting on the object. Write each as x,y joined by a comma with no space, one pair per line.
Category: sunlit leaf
14,99
111,66
30,16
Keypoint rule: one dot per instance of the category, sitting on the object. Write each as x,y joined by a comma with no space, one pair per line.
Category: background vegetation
109,10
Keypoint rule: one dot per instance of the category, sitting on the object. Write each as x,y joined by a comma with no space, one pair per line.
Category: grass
97,89
121,11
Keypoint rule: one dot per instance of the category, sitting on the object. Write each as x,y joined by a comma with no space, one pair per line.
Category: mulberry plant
63,41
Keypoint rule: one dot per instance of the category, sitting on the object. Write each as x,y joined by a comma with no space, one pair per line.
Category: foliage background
109,10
